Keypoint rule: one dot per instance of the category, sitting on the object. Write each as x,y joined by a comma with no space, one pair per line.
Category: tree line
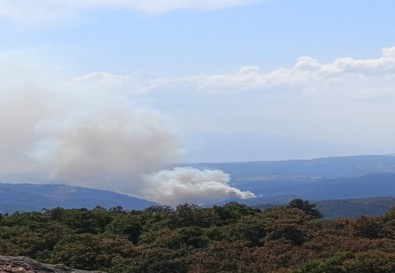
221,239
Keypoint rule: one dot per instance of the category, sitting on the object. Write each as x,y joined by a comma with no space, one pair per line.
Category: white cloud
48,10
191,185
356,77
307,74
345,101
138,83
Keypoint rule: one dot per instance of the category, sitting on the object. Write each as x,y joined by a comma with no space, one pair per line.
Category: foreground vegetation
230,238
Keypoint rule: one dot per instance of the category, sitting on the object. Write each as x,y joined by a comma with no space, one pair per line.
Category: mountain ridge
35,197
273,182
323,166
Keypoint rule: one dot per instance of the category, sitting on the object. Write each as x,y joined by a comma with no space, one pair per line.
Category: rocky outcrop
10,264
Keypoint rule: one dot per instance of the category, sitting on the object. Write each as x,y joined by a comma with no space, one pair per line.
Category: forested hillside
229,238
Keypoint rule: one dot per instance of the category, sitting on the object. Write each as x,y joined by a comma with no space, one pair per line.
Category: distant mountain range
316,179
32,197
346,166
274,182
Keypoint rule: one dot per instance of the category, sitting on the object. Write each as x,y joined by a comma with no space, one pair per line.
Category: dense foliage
229,238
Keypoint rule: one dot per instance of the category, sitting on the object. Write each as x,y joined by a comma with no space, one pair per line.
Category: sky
115,85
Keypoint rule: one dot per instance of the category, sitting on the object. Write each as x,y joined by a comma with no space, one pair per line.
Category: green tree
306,207
127,227
286,223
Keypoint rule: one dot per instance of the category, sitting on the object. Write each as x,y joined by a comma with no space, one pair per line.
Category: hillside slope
31,197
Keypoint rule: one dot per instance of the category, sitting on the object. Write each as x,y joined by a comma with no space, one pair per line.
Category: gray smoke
112,148
80,135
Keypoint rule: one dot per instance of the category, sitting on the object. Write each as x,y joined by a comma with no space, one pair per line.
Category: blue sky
234,80
269,34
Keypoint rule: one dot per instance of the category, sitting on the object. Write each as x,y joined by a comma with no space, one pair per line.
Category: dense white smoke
76,134
183,185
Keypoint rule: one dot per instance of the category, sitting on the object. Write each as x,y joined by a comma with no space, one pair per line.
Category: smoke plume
183,185
79,134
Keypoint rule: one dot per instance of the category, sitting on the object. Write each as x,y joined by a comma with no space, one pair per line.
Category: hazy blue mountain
274,182
320,167
30,197
277,182
335,188
282,191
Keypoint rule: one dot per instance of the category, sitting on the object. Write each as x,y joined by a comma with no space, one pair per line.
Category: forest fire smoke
83,136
